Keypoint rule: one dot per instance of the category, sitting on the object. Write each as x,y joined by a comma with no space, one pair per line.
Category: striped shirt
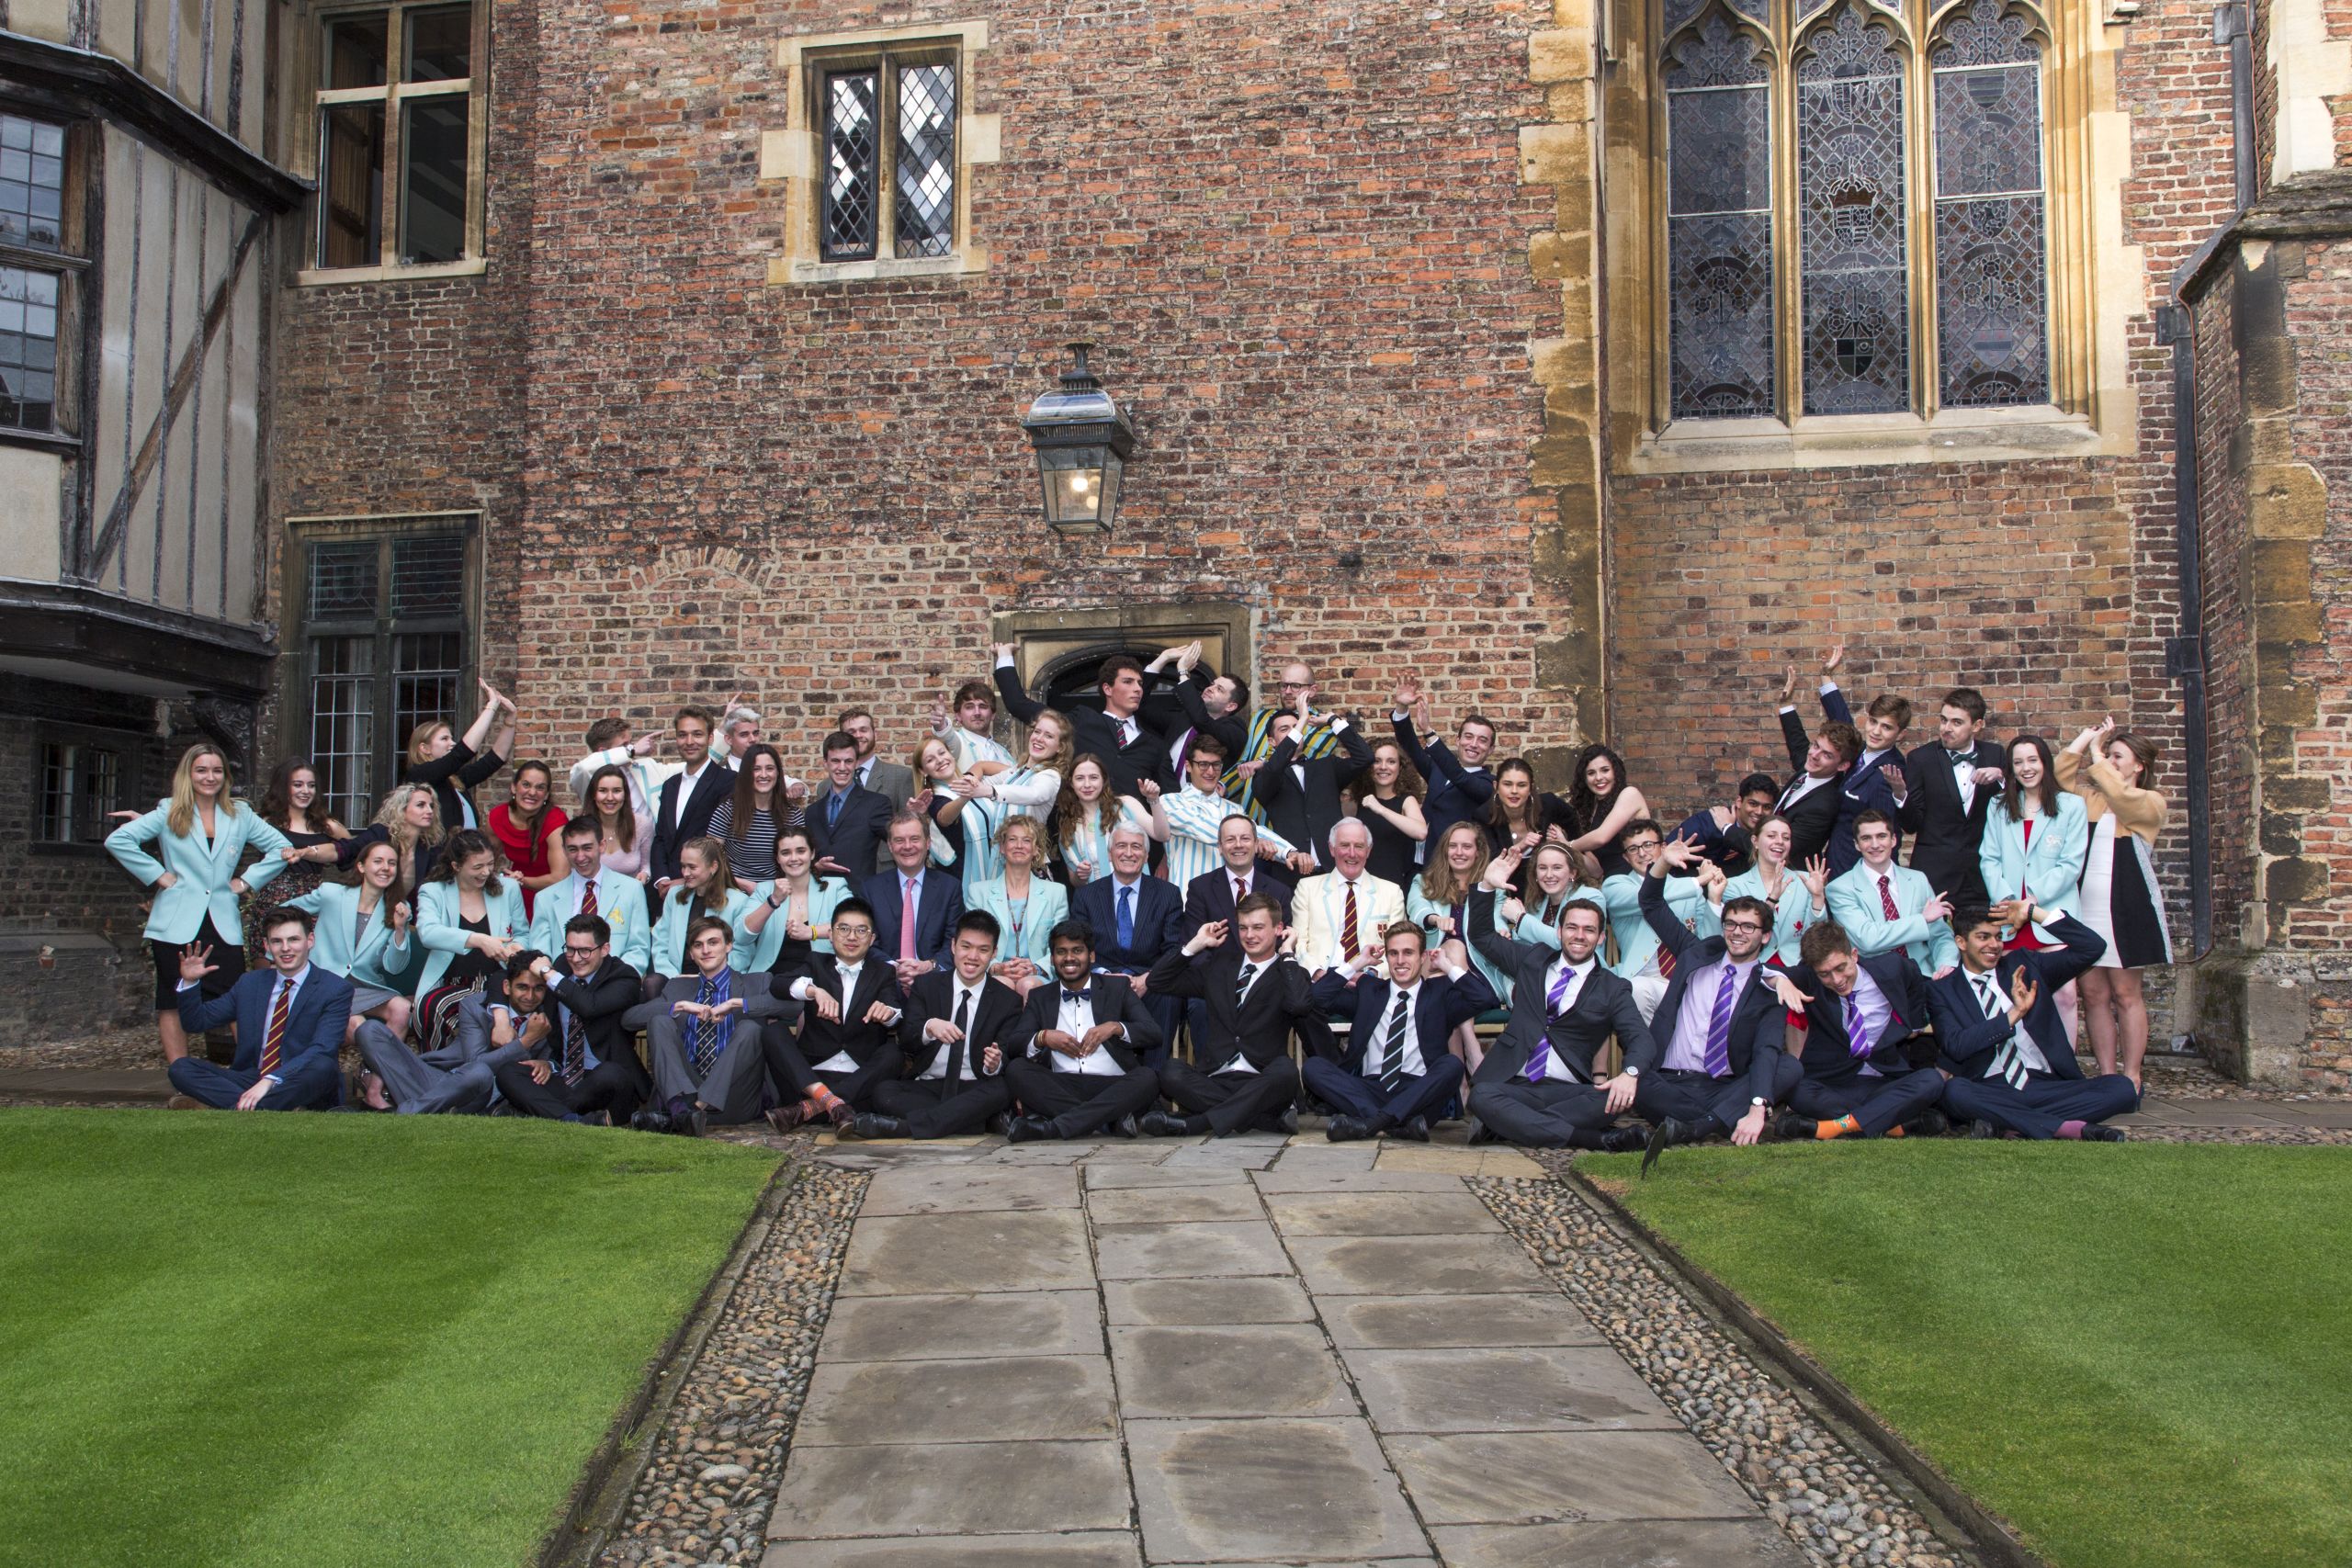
1193,819
753,856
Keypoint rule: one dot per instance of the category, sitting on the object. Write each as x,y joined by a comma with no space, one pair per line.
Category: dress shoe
1027,1129
2100,1132
1160,1124
1000,1123
1126,1127
1930,1123
1288,1119
1623,1140
872,1124
1416,1131
650,1121
841,1112
1346,1129
1668,1133
1981,1128
1474,1131
696,1124
1793,1128
183,1103
784,1118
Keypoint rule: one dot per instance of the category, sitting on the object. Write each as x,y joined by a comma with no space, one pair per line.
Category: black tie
1391,1065
963,1034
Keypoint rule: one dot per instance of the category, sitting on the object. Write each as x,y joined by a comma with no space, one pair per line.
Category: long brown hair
530,825
745,801
1070,812
714,855
1437,877
1410,784
278,800
626,828
463,845
2045,794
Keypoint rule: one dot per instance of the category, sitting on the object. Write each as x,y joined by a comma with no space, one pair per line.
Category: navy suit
1834,1083
1970,1046
855,840
1159,926
1730,848
1208,899
1864,788
939,903
1456,793
1441,1006
714,784
307,1076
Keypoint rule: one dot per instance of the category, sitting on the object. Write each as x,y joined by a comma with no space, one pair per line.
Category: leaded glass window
886,130
1719,222
852,153
1857,330
926,160
1992,295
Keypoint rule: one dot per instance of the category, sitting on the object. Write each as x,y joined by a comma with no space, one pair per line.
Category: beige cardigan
2137,810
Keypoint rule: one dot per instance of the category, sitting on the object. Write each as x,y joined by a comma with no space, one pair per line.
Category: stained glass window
1719,222
1992,295
1856,332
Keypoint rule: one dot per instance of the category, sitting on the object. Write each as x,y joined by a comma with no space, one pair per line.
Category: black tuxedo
1208,899
1255,1029
954,1103
1306,812
856,838
1177,712
1441,1006
1945,839
1970,1046
1079,1104
1758,1028
1091,730
618,1083
792,1058
714,784
1812,820
1834,1083
1566,1107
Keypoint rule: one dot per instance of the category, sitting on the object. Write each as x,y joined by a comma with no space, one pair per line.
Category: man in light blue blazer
1883,906
291,1019
618,900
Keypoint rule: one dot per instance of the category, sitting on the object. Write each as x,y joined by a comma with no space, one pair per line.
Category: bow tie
1960,759
1071,997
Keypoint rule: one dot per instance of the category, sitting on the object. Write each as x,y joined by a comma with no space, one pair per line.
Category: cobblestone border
1827,1498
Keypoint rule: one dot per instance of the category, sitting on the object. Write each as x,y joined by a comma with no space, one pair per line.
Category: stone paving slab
937,1254
1553,1388
1111,1177
1382,1213
966,1189
1173,1205
1534,1478
1189,1251
1011,1398
951,1489
952,1328
1270,1368
1292,1176
1429,1322
1650,1543
1267,1490
1089,1549
1416,1266
1244,1299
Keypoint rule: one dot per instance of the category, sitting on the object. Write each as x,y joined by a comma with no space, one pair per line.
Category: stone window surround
791,154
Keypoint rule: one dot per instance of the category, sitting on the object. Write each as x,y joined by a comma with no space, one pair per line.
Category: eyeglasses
572,952
841,929
1742,925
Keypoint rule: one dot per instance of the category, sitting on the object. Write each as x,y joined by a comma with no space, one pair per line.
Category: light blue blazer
444,938
378,961
1419,907
620,899
204,869
1622,897
1855,905
2051,869
1790,915
668,954
756,955
1048,907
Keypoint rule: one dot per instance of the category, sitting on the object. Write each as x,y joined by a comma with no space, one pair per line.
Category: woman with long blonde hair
409,818
437,757
992,793
199,833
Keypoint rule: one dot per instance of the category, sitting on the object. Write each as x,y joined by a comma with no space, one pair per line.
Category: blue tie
833,810
1127,918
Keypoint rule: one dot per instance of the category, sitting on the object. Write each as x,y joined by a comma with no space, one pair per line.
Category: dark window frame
886,64
123,748
390,197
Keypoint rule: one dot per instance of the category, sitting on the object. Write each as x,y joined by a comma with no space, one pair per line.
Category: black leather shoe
1126,1127
1288,1119
1416,1131
1027,1129
1931,1123
1623,1140
1160,1124
696,1124
872,1124
1474,1131
650,1121
2100,1132
1981,1128
1790,1127
1346,1130
1663,1136
1000,1123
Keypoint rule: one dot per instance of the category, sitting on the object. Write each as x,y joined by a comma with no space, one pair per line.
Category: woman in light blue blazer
1025,905
200,834
2036,837
790,916
1797,901
363,935
705,887
472,921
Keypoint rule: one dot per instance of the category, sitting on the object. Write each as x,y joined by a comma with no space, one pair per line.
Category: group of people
1019,936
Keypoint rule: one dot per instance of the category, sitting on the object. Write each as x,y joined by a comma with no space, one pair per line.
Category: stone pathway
1248,1350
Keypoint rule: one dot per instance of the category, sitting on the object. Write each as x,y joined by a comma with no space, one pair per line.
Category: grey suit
733,1085
458,1078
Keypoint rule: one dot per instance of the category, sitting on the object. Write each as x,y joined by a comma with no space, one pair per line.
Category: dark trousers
315,1085
609,1086
1688,1095
1352,1094
1232,1101
795,1078
1079,1104
2046,1100
938,1108
1554,1114
1166,1011
1877,1103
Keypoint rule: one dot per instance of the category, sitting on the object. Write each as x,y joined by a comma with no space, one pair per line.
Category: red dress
2026,938
526,858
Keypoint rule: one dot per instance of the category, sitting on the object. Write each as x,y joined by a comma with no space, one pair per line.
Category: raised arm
1498,949
1017,701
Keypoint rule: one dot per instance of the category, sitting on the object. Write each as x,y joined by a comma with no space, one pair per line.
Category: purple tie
1856,1045
1719,1025
1539,1061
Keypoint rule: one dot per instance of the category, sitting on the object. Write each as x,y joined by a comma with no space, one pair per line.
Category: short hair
900,819
580,827
1232,817
1751,905
1823,941
286,914
1757,783
1968,916
1341,826
839,741
1967,699
693,712
1572,904
1478,718
1405,928
739,715
976,691
1128,829
1641,825
848,713
605,732
1240,694
980,921
1017,823
701,923
853,906
1872,814
589,925
1260,903
1113,668
1845,737
1207,745
520,964
1887,706
1078,931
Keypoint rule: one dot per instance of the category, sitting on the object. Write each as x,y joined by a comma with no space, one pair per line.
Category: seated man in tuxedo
1135,919
1887,908
1638,948
848,1040
847,822
1240,1075
291,1019
1537,1086
1343,914
1076,1050
1396,1073
1720,1024
496,1025
1721,834
950,1034
913,948
2001,1040
1299,793
592,890
1859,1018
583,1063
704,1038
682,809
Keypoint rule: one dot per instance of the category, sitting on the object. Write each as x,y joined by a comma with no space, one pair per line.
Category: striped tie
1348,945
575,1048
1248,972
1857,1043
1539,1061
274,1043
1719,1025
1390,1070
703,1033
588,896
2008,1062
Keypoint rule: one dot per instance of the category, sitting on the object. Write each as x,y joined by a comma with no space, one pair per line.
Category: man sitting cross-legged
583,1062
290,1018
949,1034
1719,1025
1077,1048
704,1038
1240,1075
1860,1015
496,1026
2001,1042
1536,1086
1396,1072
848,1040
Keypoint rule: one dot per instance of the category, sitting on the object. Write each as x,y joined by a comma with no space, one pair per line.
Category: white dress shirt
1074,1017
1987,986
1582,972
966,998
1409,1058
1240,1062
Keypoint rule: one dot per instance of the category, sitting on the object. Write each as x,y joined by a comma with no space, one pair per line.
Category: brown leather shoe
183,1103
784,1118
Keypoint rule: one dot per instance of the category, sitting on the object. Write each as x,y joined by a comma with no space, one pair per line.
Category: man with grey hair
1338,917
1136,919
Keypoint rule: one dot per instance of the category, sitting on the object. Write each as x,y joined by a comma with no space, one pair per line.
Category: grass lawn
2136,1355
329,1340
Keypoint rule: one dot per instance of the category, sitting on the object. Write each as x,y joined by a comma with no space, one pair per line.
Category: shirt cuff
1004,663
800,990
1788,707
1398,716
1337,725
1827,687
185,986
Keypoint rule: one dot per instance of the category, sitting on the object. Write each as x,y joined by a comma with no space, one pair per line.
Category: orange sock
1895,1132
1838,1129
821,1098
